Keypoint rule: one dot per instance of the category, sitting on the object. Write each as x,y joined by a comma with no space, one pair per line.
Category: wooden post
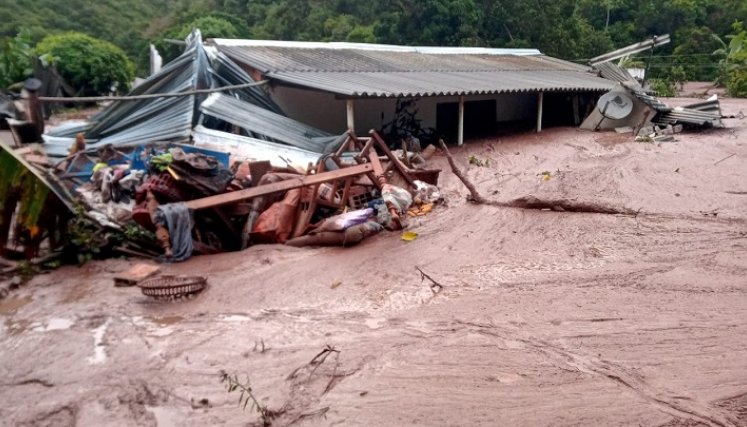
351,114
540,101
460,127
33,106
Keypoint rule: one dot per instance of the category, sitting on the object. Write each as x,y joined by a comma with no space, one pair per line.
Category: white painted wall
324,111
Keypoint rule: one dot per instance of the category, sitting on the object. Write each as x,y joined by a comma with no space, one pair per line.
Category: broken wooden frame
44,195
368,170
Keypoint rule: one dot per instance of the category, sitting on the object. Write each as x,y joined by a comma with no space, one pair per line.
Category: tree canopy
569,29
89,65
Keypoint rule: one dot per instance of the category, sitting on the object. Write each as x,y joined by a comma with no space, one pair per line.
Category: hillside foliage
570,29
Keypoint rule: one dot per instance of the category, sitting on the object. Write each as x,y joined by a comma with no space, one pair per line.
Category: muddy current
544,318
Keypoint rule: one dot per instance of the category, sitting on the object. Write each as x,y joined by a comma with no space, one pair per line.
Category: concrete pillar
460,128
351,114
540,101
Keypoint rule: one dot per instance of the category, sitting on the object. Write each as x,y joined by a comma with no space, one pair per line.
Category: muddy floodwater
544,318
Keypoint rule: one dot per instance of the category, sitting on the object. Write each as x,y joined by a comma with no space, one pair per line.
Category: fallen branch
474,194
321,357
725,158
435,286
316,361
319,413
531,202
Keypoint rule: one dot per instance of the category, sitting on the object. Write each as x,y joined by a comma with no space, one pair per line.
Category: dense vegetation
570,29
89,65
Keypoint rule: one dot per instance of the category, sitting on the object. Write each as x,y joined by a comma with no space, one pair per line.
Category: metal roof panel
409,84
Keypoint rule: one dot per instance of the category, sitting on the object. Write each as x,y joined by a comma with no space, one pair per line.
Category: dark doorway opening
479,119
566,108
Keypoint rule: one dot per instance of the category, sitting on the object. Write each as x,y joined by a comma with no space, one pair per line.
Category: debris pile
183,199
198,159
630,108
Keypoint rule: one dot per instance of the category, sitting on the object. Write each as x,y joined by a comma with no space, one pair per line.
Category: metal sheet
435,83
631,49
245,148
361,70
269,58
272,126
135,122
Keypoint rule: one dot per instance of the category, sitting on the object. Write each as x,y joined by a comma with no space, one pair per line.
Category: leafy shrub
15,59
663,87
736,82
210,27
733,65
90,65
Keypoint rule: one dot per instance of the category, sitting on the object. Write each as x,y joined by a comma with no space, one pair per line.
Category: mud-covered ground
545,318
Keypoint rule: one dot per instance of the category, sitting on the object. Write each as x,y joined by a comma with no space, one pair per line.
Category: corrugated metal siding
406,84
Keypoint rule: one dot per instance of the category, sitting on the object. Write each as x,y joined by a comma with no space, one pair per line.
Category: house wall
324,111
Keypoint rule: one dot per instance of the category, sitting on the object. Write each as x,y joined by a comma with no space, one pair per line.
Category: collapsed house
629,107
203,160
238,142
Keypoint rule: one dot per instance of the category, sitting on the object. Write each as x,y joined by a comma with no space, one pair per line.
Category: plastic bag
427,193
397,197
275,225
344,221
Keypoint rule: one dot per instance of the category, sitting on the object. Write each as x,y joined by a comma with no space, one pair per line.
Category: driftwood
435,286
531,202
474,194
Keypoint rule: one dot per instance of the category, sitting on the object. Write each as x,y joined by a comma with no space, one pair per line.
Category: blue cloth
178,219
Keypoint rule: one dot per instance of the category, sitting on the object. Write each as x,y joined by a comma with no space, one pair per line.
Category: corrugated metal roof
271,59
406,84
688,116
614,72
400,71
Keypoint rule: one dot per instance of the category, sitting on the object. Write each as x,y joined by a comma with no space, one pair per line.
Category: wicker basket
173,286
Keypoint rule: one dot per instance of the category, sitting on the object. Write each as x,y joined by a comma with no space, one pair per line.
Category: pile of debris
198,159
192,200
630,108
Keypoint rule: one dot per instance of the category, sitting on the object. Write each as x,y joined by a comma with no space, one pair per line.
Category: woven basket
173,286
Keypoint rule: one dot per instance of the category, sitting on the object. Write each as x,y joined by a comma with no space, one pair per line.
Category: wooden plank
395,161
136,274
289,184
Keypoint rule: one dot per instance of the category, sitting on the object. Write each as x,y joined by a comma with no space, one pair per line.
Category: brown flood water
545,318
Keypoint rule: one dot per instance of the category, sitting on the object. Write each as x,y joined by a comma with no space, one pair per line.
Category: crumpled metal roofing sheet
688,116
614,72
263,122
407,84
135,122
242,146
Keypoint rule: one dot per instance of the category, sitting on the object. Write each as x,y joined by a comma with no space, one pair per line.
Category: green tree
15,59
733,65
210,26
90,65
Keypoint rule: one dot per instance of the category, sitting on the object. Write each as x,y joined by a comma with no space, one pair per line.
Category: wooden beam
392,158
460,127
540,101
289,184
